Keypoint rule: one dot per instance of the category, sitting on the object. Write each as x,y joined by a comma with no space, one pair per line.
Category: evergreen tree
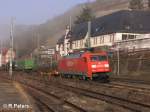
136,5
86,15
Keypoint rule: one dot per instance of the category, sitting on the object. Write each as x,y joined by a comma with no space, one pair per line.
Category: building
119,27
6,56
64,44
46,52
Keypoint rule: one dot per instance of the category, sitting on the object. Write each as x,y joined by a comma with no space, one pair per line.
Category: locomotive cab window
94,58
98,58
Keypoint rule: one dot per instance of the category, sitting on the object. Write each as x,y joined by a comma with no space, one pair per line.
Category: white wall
141,41
103,40
57,47
109,40
78,44
118,37
60,49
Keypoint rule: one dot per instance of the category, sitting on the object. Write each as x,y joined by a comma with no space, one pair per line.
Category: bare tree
85,16
136,5
148,4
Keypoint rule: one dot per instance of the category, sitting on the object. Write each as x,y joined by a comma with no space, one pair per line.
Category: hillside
99,8
50,31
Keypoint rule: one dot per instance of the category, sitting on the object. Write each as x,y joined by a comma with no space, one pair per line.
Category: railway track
125,103
62,101
135,86
42,106
133,81
131,105
48,101
139,85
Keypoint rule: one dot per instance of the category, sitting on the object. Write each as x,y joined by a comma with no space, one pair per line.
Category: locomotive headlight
93,66
106,65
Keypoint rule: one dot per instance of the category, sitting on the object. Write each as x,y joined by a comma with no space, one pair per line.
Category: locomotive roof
76,55
124,21
80,54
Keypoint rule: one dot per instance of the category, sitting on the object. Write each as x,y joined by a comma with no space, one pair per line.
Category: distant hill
99,8
50,31
4,32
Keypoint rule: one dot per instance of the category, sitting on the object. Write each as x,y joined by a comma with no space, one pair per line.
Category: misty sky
33,11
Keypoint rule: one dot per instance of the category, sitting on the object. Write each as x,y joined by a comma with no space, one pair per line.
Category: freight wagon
85,65
26,64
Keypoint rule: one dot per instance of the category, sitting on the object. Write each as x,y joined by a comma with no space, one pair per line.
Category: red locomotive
85,65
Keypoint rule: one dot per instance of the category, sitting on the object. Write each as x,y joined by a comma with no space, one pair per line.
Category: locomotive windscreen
98,58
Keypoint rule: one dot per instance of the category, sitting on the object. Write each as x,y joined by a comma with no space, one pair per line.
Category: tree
86,15
136,5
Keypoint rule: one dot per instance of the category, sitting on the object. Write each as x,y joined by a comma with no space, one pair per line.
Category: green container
20,64
27,64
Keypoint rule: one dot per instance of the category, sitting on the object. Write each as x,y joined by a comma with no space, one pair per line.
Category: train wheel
84,77
104,78
69,76
80,77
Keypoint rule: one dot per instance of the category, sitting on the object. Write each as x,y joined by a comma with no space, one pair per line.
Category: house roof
4,51
79,31
124,21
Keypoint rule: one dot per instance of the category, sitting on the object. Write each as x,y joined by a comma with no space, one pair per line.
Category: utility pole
38,41
89,35
38,46
118,55
11,48
70,23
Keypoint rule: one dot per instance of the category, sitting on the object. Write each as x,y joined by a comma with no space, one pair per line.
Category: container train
85,65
